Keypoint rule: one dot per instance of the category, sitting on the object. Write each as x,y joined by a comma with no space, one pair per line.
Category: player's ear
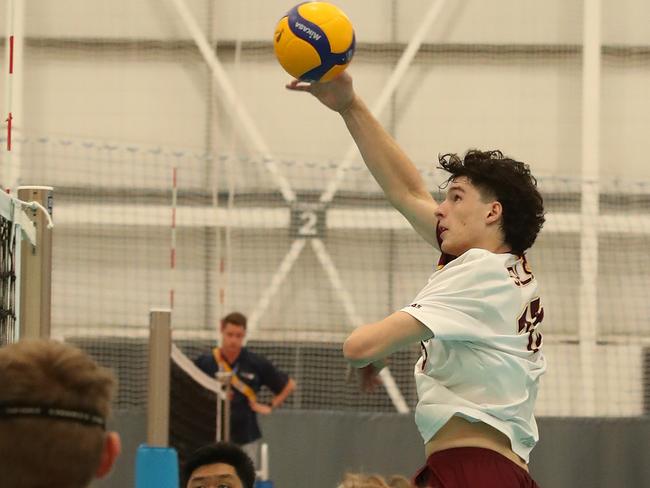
110,451
495,212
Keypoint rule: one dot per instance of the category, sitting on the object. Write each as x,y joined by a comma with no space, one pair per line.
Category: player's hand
369,376
337,94
260,408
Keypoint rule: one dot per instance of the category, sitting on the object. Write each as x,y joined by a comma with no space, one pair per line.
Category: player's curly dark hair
509,182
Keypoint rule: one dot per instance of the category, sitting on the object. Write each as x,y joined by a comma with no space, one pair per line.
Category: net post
222,433
36,267
158,382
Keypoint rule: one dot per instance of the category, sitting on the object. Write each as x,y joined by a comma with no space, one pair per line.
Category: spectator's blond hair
39,452
354,480
398,481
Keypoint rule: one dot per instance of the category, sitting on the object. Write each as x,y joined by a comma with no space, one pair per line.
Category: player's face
232,337
218,475
463,218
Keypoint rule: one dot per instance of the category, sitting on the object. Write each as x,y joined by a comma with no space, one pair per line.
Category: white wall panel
3,13
498,22
111,20
255,20
625,118
294,123
625,22
529,110
111,96
502,21
528,107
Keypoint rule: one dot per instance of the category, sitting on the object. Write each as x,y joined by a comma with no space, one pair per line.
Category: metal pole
160,339
36,267
591,73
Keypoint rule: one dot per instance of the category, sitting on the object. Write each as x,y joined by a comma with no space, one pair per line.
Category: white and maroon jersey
484,360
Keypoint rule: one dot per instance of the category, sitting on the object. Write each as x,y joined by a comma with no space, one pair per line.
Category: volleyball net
16,227
359,261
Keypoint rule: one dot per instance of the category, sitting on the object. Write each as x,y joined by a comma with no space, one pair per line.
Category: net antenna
307,217
16,230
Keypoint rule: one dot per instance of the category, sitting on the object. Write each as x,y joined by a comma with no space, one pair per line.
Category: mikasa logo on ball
308,31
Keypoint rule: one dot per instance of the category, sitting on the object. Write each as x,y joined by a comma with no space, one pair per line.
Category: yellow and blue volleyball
314,41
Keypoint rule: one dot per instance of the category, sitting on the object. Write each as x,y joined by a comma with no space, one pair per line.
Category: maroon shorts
471,467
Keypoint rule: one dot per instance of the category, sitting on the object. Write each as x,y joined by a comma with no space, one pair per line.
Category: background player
251,372
477,317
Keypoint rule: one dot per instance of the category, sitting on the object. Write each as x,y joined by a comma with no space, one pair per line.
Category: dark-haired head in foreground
219,464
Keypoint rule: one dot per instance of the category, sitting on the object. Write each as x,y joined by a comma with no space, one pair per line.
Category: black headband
59,413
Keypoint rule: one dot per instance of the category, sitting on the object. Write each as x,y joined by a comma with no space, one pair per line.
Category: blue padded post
156,467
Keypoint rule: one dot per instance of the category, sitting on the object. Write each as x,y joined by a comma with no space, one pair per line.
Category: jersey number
531,317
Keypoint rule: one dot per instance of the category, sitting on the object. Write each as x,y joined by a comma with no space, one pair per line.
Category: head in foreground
54,401
219,465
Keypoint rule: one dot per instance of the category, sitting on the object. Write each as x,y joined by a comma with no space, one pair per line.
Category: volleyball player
477,317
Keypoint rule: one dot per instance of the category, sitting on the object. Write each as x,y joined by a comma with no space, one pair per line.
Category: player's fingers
298,85
298,88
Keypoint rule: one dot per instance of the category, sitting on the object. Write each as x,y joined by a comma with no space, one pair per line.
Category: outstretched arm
392,169
371,343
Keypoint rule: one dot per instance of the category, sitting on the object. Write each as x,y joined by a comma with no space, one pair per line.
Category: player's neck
502,249
231,355
495,244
